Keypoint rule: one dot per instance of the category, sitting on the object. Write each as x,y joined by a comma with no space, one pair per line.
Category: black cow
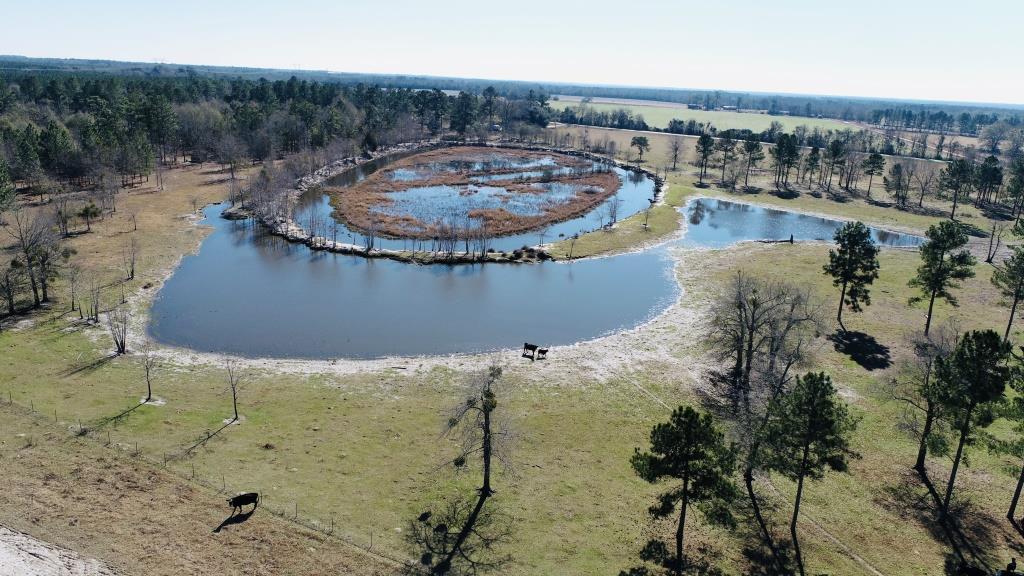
529,350
245,499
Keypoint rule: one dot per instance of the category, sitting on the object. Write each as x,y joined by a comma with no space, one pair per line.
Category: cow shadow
234,519
862,348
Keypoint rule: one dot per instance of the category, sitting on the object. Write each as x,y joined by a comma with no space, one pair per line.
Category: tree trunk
839,314
32,281
1016,496
964,430
796,508
929,420
1013,312
680,562
748,479
928,320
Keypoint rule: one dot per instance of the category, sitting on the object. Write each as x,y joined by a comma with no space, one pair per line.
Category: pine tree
688,448
945,262
873,165
1009,278
956,177
853,267
641,144
971,381
808,433
705,148
754,153
464,112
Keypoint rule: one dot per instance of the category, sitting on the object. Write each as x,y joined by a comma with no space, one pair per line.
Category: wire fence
287,509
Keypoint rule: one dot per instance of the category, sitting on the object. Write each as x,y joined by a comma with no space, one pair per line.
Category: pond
251,294
715,223
634,195
248,293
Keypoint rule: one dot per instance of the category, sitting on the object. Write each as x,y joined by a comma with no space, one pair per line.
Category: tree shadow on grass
89,366
862,348
997,212
971,532
785,193
116,417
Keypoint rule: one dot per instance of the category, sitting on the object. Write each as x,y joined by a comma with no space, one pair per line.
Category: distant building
729,108
695,106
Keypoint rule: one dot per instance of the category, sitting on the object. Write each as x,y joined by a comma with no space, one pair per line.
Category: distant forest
906,113
106,126
98,124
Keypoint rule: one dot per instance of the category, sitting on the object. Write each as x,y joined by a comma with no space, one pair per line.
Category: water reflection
252,294
632,196
718,223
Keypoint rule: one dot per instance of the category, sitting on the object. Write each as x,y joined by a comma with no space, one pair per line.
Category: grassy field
879,502
107,503
364,449
658,115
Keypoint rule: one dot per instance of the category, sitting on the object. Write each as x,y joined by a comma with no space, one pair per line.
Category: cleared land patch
658,114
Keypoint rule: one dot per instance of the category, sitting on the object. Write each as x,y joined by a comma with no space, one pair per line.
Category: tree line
74,140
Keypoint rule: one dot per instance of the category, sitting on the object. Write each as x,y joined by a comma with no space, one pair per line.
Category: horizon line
1014,106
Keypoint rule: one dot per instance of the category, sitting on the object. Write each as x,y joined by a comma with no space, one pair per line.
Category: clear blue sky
935,49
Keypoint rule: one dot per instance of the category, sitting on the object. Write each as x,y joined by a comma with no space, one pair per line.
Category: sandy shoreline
598,358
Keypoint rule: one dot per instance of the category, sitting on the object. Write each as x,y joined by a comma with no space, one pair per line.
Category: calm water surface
633,196
252,294
718,223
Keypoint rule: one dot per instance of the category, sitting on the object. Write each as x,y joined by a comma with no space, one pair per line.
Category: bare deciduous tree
74,277
462,536
921,415
149,367
674,148
129,255
93,314
118,320
12,281
764,331
29,232
234,382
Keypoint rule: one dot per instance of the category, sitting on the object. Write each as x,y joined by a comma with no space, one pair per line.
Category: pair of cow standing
534,352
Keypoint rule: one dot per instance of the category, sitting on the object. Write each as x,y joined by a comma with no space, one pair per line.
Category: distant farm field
658,114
